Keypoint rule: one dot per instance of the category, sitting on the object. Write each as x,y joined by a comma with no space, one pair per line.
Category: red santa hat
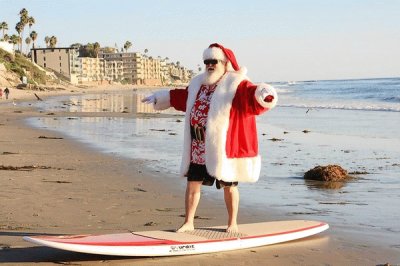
217,51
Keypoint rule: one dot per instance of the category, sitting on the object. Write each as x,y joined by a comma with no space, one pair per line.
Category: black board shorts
198,172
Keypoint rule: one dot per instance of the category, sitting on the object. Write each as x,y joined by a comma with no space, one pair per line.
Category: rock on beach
332,173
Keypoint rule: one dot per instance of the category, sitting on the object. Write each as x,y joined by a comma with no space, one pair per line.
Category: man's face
215,69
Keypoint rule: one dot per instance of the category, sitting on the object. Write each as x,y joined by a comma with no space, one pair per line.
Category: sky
276,40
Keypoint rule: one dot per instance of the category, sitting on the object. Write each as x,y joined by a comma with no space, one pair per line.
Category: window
44,64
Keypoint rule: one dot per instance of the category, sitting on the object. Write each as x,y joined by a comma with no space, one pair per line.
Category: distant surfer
220,137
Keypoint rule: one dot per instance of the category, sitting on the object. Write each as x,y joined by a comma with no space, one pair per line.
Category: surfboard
170,243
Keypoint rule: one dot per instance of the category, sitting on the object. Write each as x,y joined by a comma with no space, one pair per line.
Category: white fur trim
218,165
163,100
262,91
245,169
240,169
242,71
193,89
214,53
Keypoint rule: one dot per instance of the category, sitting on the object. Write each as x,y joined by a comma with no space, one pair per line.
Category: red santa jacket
231,145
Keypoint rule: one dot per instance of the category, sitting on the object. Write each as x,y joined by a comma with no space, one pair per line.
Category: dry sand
68,188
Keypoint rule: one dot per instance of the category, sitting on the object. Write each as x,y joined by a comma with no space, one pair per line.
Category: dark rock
327,173
275,139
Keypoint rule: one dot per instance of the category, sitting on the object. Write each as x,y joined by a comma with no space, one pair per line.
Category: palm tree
27,41
6,37
47,40
33,36
23,12
19,28
31,21
145,52
3,27
96,49
14,39
24,20
127,45
53,41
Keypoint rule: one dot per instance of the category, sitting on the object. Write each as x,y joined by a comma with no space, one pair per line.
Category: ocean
352,123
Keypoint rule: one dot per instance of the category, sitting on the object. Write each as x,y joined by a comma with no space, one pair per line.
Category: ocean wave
345,107
283,90
394,99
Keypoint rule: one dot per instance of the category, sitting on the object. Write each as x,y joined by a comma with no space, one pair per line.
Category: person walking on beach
220,138
6,92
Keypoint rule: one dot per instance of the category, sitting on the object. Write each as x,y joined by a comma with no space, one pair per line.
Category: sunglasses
211,62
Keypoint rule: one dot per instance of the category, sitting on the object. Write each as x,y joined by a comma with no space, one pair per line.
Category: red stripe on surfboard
85,240
149,241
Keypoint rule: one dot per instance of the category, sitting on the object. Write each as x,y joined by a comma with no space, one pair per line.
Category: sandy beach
50,184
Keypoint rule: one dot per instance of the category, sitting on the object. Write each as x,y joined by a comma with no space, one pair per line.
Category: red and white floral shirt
198,120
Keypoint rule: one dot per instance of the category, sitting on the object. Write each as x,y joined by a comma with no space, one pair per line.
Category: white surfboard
169,243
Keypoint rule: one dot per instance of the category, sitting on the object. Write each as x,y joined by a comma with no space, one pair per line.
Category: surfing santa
220,138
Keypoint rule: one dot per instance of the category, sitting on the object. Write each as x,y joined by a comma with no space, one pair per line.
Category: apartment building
113,70
130,68
92,70
62,60
66,61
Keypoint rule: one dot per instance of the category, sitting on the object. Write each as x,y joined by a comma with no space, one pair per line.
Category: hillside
14,67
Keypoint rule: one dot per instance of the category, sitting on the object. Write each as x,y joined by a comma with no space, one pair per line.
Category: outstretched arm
165,99
254,99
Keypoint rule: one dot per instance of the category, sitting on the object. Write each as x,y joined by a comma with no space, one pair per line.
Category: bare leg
192,199
231,195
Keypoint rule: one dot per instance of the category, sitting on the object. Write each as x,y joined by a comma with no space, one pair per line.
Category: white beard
213,77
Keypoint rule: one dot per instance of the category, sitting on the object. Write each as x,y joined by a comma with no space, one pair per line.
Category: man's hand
268,94
150,99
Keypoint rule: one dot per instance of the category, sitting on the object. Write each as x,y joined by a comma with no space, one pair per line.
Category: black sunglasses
211,62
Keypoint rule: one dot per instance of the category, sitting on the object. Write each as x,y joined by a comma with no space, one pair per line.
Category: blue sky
277,40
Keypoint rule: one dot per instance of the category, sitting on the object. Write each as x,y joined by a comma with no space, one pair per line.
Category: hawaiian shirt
198,121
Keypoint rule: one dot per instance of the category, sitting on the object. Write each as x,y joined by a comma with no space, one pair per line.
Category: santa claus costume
230,140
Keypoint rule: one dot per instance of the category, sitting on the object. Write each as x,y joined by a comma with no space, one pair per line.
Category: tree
14,39
31,21
76,45
33,36
4,28
96,49
24,20
145,52
127,45
28,42
53,41
19,28
47,41
23,12
6,37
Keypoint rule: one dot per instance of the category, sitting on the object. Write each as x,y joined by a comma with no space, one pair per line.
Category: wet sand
59,186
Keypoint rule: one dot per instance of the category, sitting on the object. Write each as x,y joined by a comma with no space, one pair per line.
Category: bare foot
232,229
185,228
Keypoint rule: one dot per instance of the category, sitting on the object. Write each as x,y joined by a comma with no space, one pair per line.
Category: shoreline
99,193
